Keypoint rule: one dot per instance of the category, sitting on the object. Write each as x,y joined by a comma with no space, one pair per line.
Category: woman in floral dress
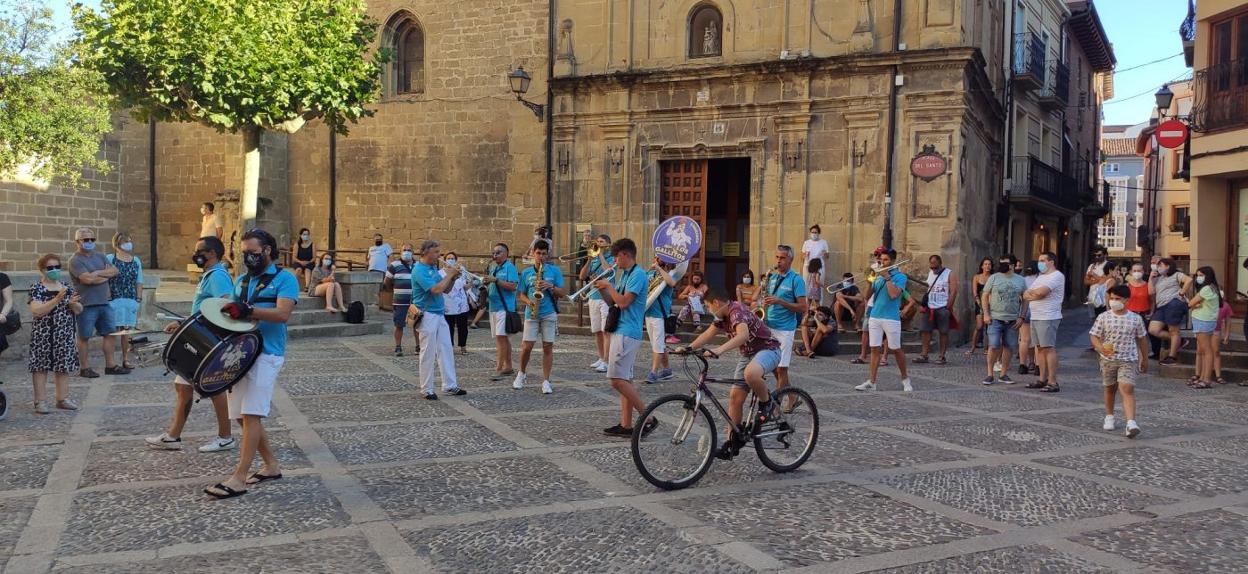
55,307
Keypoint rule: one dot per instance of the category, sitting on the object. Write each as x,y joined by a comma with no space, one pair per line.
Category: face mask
305,237
847,283
54,275
88,246
327,262
1154,268
814,237
127,246
1200,279
747,280
1117,305
1137,274
1163,270
451,261
875,266
203,211
255,262
199,261
1042,266
377,242
407,255
696,281
1099,257
1004,267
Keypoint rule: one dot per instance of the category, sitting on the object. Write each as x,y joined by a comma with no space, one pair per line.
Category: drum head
227,363
211,310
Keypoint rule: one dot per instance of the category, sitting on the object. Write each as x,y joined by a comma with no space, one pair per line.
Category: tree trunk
249,201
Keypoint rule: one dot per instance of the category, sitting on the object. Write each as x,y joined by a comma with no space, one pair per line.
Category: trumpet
584,291
591,253
872,275
472,278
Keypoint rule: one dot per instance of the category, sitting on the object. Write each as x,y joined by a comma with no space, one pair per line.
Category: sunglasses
84,239
51,267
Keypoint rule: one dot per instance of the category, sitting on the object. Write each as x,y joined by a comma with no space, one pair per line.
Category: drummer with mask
215,282
267,296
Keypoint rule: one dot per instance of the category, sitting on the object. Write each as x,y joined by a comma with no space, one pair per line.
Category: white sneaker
219,444
1109,423
546,390
164,442
867,386
596,364
519,382
906,387
1133,430
601,368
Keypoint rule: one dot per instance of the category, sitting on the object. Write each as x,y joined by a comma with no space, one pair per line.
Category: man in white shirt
942,293
211,224
814,248
379,254
1045,299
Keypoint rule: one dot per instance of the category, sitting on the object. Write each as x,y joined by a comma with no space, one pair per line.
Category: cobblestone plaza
954,477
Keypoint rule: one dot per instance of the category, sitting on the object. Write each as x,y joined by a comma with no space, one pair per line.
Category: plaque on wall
712,239
732,249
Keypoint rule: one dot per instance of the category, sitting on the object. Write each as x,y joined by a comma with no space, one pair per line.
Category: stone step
1230,359
335,330
1185,371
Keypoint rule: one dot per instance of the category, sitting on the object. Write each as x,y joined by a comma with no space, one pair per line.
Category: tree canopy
53,112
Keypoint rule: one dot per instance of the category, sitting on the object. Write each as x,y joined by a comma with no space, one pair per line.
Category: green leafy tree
239,66
52,112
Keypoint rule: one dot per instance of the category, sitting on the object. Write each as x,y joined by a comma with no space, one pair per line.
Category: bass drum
209,357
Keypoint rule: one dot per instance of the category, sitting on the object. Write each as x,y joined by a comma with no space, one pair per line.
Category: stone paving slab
997,402
152,419
111,521
855,450
371,407
1151,426
299,385
1017,560
398,442
323,556
857,522
1168,469
148,393
606,540
497,401
1020,495
1211,542
617,462
110,462
566,428
1004,437
26,466
476,486
1233,446
876,407
23,425
14,512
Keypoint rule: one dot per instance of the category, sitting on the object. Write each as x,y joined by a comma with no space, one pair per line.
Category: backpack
355,312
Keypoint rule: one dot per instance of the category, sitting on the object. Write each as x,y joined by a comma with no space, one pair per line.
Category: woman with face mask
1140,303
1205,305
815,247
746,289
323,284
55,307
127,290
819,336
1169,309
305,256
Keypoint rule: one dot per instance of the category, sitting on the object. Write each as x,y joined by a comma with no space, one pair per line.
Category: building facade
1122,173
1214,37
1166,227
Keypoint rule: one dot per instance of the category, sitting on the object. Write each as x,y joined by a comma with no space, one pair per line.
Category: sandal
128,366
921,359
1220,381
257,478
859,361
1203,385
226,492
1051,389
1242,383
941,360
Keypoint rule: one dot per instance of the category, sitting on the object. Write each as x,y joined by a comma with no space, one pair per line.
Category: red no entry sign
1171,134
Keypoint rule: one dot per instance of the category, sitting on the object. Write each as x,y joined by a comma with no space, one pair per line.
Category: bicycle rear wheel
4,405
786,444
677,452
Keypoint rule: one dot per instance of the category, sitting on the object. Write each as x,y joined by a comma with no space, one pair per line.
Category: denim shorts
400,316
125,312
1172,313
1204,327
1002,332
768,359
95,320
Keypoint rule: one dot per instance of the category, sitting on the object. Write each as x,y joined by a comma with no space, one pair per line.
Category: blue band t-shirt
886,306
595,269
632,317
424,278
788,287
664,303
260,295
215,283
528,282
502,299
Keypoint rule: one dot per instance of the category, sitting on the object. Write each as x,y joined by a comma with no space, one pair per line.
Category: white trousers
435,347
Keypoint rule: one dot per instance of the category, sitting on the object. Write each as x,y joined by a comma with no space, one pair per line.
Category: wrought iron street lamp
520,80
1164,97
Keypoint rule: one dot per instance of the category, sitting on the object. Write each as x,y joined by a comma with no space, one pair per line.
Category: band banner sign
677,240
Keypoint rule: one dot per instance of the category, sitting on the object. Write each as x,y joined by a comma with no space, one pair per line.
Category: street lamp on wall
1164,97
520,80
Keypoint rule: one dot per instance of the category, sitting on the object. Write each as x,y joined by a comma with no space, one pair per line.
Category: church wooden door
684,193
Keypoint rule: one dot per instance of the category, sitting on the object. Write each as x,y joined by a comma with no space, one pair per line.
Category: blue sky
1141,31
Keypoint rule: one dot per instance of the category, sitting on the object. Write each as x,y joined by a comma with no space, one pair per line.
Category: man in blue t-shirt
884,322
267,296
627,291
656,320
399,280
429,308
598,307
502,298
214,283
545,326
785,302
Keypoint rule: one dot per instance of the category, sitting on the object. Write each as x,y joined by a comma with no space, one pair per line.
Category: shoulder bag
514,323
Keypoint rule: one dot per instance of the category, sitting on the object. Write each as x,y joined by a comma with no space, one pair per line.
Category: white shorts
544,330
656,329
879,329
786,346
253,394
178,380
622,356
498,323
597,315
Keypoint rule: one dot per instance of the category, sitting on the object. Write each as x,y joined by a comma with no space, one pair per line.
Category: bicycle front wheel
678,451
786,444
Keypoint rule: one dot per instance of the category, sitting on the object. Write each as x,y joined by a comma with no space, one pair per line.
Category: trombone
872,275
589,285
469,276
591,253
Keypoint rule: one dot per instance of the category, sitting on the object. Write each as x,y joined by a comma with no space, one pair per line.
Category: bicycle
676,460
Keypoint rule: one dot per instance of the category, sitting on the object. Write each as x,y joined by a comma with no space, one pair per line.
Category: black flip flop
257,478
1051,389
229,492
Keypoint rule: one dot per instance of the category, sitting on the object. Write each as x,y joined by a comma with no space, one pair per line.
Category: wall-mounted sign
1171,134
929,164
732,249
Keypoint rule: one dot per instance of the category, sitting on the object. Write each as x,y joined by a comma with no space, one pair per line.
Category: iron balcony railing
1187,30
1221,96
1056,91
1028,57
1034,179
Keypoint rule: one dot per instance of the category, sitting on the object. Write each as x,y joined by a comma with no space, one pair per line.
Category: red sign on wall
1171,134
929,164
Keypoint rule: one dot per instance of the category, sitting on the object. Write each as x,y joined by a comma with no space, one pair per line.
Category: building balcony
1187,33
1056,91
1095,207
1044,187
1221,96
1028,61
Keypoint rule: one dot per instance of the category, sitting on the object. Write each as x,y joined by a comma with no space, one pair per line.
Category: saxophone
761,310
535,302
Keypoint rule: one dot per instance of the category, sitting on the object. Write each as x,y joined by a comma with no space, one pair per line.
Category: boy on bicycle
760,355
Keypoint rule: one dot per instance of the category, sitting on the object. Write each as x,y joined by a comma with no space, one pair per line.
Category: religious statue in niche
705,32
710,40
